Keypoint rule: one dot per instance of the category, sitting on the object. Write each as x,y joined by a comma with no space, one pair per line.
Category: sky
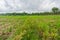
28,5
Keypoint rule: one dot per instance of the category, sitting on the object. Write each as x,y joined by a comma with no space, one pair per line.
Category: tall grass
30,27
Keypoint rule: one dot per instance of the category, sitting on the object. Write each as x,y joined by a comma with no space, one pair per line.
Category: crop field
30,27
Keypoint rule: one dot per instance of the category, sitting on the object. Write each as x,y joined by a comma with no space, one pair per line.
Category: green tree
55,10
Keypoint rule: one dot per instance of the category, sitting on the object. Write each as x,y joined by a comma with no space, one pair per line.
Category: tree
55,9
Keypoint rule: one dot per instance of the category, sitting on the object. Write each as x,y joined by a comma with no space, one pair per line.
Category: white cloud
27,5
2,5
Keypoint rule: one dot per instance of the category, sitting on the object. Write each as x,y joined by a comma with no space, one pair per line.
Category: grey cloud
28,5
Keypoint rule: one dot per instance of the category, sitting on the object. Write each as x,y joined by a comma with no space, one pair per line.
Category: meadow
43,27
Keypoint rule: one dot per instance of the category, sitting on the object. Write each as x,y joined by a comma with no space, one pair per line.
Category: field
30,27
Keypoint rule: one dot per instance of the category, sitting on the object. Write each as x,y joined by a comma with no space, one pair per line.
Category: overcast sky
28,5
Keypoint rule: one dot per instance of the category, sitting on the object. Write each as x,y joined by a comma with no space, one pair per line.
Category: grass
30,27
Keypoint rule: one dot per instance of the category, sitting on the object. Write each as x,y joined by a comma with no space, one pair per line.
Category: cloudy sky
28,5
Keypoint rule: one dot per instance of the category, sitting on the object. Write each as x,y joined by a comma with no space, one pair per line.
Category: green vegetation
30,27
54,11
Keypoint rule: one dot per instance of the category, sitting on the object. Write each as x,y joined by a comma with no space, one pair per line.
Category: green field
30,27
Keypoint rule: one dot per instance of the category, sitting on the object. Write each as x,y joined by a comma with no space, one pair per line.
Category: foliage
55,9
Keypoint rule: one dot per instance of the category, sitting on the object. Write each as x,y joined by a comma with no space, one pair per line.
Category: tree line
55,11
